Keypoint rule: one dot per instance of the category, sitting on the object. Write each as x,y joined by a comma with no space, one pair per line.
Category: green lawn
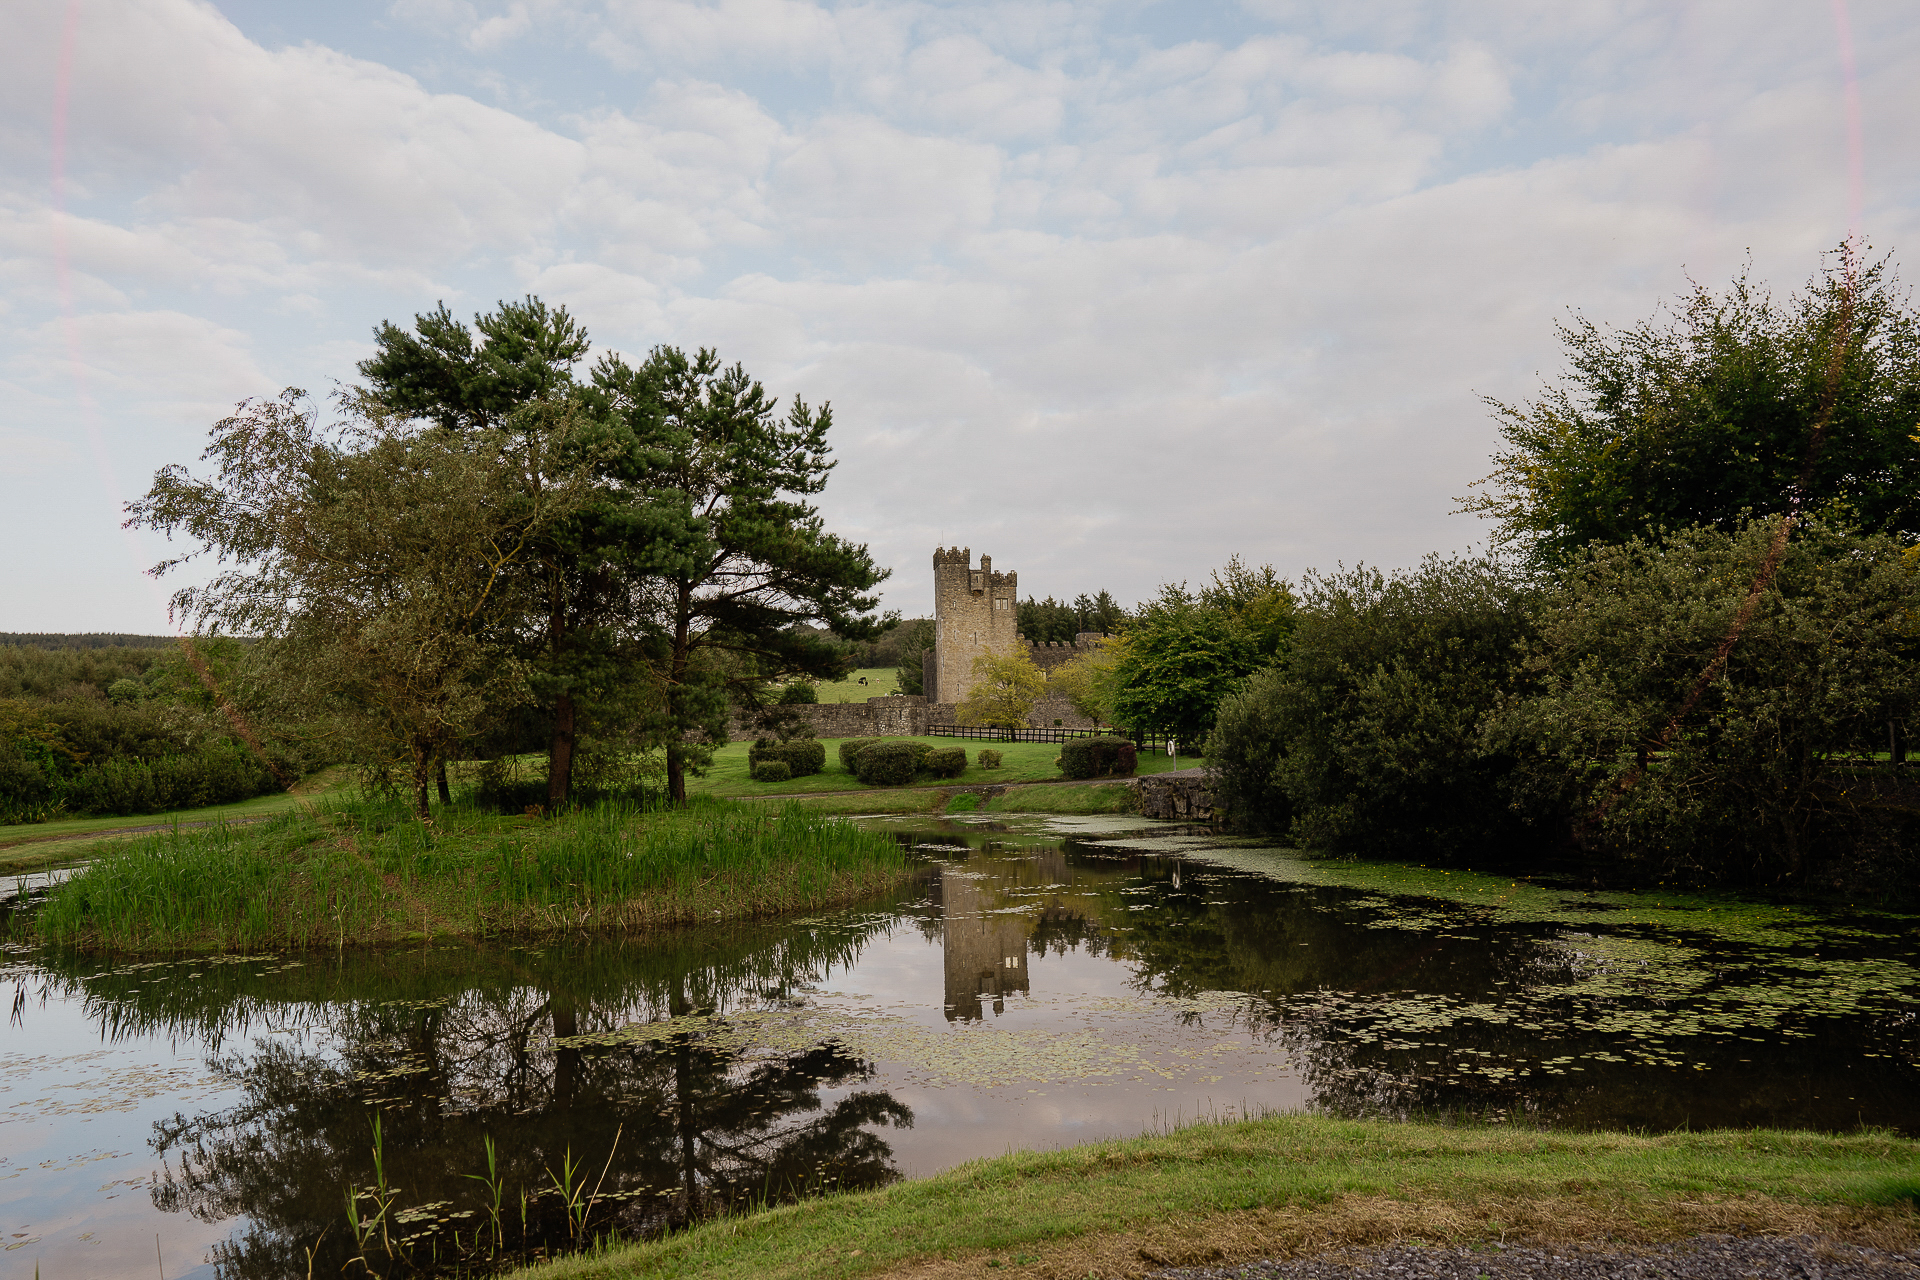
29,846
1219,1194
880,682
1020,762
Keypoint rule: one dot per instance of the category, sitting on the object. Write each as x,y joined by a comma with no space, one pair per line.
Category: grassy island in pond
367,873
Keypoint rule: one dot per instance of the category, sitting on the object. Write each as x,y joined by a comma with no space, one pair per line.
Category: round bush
800,693
988,758
772,771
947,762
1097,757
804,756
887,764
853,747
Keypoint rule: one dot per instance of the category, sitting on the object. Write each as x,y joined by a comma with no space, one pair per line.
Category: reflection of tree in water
452,1049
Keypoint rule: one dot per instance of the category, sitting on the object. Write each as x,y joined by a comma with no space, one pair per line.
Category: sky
1106,291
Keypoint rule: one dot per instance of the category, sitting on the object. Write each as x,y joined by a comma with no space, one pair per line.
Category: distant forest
88,640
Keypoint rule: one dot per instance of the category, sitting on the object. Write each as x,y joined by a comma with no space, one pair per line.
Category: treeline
82,640
1050,620
128,730
1691,658
492,547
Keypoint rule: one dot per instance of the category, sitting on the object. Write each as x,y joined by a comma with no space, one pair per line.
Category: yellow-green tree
1004,691
1087,682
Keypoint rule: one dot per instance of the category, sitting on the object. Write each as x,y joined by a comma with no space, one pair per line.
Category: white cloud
1108,308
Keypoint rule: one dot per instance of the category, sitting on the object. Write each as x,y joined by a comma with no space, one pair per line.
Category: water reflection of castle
986,945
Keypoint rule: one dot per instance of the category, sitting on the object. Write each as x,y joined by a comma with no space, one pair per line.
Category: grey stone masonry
1185,796
975,612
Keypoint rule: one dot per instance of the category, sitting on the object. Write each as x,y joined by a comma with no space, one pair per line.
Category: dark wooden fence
992,733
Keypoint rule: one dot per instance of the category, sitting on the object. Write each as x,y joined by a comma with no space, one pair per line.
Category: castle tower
975,611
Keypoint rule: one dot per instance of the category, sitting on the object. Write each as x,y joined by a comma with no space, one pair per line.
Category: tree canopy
1707,415
754,563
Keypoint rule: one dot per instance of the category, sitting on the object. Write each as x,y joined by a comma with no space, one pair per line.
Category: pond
1047,981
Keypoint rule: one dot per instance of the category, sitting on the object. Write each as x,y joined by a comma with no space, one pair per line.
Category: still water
1047,981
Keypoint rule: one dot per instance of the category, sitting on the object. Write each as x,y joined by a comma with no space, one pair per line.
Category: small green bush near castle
803,756
988,758
772,771
947,762
888,764
851,748
1097,758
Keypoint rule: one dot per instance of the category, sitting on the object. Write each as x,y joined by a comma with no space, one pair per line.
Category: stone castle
976,612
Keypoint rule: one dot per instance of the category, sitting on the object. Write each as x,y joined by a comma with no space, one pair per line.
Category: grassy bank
28,844
1020,762
363,872
1294,1184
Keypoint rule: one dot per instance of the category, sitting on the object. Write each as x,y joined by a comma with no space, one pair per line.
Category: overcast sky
1108,291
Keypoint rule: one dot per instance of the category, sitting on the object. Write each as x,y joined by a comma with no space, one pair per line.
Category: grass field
880,682
1216,1194
1020,762
365,871
32,846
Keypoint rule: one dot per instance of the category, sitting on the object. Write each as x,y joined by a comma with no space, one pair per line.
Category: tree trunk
676,685
560,754
1896,742
566,1062
440,776
422,765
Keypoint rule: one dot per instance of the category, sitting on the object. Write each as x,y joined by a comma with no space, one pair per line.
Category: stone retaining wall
1185,796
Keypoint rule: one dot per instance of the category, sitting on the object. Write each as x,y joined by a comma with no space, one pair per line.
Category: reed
362,872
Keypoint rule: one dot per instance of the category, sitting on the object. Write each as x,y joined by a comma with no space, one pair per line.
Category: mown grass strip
363,872
1294,1184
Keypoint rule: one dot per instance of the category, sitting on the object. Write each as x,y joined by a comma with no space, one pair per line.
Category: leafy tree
1368,738
376,564
1005,687
1709,415
582,578
1258,600
1756,782
915,638
1087,681
1181,653
753,564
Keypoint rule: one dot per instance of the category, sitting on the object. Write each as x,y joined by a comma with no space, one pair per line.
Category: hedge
803,756
851,748
947,762
889,764
1097,758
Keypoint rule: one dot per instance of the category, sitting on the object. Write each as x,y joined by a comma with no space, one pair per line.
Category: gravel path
1703,1258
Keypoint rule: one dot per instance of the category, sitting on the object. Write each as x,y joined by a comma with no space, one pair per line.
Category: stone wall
1184,796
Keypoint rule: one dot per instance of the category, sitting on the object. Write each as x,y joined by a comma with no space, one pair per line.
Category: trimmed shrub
803,755
988,758
1097,758
947,762
888,763
798,694
921,750
772,771
851,748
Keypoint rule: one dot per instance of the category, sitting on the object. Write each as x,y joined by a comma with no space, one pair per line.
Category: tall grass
363,872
